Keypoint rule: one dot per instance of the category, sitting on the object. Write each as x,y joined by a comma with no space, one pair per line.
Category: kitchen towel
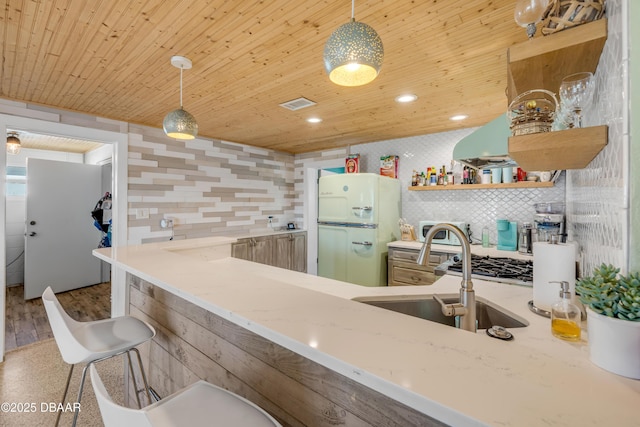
552,263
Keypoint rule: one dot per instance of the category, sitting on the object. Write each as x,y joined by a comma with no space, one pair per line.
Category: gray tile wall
598,196
209,187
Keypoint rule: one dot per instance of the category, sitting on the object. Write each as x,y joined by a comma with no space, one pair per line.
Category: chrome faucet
466,308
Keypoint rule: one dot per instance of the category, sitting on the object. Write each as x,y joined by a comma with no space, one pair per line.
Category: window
16,181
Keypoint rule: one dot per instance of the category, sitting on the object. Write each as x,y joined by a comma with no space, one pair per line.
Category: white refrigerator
357,216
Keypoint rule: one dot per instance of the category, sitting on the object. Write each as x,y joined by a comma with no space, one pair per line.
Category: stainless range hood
487,147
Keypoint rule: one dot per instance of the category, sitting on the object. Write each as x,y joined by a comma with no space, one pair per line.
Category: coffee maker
507,235
549,220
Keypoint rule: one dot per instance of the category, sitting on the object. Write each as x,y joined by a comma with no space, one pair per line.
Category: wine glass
528,13
576,92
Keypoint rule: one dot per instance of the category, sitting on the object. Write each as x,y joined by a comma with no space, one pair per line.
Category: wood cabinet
541,63
403,268
291,251
288,250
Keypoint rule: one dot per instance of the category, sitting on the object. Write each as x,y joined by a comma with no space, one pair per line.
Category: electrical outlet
142,213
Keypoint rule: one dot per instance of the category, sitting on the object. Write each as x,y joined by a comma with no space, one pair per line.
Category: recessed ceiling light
458,117
314,119
406,98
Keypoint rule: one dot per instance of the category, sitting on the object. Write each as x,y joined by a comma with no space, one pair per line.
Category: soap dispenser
565,316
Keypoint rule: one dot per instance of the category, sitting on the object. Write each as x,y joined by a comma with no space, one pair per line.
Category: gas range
496,269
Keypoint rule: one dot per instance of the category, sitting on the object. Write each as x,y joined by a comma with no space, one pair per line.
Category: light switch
142,213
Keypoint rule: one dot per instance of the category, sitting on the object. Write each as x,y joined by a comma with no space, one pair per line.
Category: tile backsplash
597,196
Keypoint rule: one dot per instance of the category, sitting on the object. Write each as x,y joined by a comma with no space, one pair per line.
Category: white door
59,231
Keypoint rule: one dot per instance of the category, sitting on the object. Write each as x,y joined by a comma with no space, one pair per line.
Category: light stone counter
460,378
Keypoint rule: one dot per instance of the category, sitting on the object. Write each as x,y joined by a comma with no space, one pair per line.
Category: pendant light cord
181,86
353,10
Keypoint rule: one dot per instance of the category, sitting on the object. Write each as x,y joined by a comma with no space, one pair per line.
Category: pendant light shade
353,54
13,143
179,124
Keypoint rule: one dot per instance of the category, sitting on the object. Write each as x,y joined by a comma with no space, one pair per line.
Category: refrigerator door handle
363,243
364,208
348,224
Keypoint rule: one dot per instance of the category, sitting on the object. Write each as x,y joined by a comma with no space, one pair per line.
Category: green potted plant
613,319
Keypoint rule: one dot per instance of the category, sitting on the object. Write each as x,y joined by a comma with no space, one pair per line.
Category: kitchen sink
425,307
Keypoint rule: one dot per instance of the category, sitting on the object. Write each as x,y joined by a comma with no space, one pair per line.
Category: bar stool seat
91,342
199,404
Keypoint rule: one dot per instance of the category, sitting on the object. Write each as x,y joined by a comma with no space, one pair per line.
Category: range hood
487,147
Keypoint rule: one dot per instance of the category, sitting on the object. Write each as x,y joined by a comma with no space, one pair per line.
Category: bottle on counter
485,237
565,316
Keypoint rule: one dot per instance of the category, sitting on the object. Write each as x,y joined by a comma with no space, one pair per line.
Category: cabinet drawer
412,256
401,275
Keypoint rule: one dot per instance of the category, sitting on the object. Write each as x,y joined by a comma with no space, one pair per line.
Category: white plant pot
614,344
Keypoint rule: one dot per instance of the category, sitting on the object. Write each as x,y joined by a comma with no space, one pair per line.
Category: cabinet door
240,249
283,251
299,252
261,250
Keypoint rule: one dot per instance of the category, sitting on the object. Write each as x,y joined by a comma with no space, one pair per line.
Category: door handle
363,243
364,208
33,233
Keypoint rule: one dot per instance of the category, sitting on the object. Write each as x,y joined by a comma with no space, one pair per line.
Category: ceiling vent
298,104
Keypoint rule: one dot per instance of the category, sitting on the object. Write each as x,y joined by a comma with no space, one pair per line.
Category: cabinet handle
364,208
363,243
252,242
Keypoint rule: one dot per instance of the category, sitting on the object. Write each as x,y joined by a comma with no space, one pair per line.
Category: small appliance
549,221
442,237
507,235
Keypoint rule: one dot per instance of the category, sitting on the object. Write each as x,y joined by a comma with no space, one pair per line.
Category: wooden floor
26,321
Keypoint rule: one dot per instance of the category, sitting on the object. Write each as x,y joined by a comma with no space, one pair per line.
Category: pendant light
13,143
179,124
353,53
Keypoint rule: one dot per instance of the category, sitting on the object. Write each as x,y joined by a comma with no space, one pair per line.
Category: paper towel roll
552,263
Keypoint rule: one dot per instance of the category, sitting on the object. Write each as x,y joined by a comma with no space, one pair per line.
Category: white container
552,263
485,176
496,175
507,175
614,344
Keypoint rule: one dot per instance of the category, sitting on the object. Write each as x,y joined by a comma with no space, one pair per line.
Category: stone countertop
458,377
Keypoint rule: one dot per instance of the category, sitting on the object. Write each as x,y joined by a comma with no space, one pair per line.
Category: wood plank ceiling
111,58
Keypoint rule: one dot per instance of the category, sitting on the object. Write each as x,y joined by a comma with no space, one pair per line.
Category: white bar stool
199,404
91,342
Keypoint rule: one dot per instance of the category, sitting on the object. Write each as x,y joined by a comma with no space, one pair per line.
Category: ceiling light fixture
179,124
353,53
314,119
13,143
406,98
458,117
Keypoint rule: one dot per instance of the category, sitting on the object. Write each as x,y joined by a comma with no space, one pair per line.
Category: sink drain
499,332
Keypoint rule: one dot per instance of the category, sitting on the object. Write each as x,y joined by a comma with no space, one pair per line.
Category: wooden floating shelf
514,185
565,149
542,62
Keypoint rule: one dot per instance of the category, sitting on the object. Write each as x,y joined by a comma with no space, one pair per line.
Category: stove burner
501,268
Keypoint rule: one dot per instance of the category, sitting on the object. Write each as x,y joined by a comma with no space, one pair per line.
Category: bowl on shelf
532,178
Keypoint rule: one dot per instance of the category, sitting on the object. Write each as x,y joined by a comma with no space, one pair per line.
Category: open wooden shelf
564,149
542,62
513,185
